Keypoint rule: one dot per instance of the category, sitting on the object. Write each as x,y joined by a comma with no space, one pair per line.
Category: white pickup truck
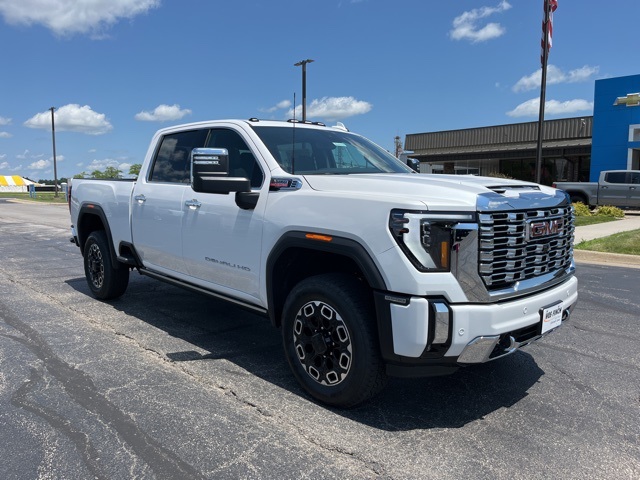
368,268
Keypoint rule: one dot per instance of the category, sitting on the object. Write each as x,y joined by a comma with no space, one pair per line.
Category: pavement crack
80,387
21,399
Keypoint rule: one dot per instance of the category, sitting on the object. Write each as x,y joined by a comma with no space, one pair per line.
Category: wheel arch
296,257
578,196
91,217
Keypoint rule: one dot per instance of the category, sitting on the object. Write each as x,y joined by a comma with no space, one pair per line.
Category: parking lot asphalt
165,384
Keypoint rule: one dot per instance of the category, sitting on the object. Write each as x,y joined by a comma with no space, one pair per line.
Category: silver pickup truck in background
618,188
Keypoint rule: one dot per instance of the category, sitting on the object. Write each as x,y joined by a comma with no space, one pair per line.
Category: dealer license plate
551,317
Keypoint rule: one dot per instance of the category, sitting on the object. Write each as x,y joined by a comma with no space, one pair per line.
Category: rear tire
578,198
105,281
330,339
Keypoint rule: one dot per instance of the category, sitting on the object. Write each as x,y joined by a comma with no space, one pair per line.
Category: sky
118,70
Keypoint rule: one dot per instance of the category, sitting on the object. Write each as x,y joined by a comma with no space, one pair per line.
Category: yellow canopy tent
14,183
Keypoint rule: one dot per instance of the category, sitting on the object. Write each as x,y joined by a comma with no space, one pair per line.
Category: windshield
317,152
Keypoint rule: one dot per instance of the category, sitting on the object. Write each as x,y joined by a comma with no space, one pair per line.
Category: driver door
222,243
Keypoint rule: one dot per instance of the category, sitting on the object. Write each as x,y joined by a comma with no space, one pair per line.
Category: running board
204,291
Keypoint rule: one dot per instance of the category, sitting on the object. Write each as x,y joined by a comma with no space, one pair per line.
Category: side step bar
197,289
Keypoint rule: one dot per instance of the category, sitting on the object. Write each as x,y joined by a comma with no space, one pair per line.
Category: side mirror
414,164
210,172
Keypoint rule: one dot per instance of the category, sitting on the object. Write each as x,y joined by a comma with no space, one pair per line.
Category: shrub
499,175
582,210
609,211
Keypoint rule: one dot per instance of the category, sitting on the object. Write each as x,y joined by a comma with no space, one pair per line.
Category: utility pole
549,7
303,63
55,167
398,146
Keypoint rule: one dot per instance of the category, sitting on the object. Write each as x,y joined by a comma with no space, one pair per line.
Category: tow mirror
210,172
414,164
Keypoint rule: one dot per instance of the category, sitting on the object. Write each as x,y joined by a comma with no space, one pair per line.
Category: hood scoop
516,189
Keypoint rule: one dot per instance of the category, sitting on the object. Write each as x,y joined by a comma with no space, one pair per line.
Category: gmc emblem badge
545,228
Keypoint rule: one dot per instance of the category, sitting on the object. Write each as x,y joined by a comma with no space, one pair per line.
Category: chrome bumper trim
483,349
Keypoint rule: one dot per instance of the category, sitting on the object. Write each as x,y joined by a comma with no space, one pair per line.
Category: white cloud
5,121
40,165
531,108
466,26
120,164
554,76
278,106
333,108
284,104
27,155
163,113
72,118
5,135
4,164
67,17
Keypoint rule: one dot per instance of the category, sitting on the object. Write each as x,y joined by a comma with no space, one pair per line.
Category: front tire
330,340
105,281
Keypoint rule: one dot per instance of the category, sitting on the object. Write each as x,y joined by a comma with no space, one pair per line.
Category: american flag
552,5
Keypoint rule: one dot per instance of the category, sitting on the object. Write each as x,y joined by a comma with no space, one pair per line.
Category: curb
603,258
33,202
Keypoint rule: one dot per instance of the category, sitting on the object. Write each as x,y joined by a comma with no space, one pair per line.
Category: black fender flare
91,209
337,245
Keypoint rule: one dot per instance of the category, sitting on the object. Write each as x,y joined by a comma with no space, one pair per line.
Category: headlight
426,238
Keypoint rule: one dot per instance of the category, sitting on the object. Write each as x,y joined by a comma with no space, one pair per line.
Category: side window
635,177
242,162
616,177
172,158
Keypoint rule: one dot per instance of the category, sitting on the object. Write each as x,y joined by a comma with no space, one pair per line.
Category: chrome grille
520,245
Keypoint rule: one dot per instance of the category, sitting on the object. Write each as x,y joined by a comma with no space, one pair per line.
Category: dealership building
573,149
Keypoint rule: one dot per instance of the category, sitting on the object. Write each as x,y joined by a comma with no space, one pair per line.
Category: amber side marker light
444,254
318,237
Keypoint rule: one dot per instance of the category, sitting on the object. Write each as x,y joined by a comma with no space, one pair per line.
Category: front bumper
419,333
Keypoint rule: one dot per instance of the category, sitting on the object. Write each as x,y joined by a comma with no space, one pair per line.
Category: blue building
573,149
616,125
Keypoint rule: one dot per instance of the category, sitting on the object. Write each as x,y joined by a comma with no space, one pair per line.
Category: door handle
193,204
140,199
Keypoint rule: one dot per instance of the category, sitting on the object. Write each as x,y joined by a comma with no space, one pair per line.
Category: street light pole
55,166
304,85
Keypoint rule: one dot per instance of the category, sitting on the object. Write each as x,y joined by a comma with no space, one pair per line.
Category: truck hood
440,191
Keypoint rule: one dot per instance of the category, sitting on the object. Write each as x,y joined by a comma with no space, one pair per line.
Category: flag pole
543,89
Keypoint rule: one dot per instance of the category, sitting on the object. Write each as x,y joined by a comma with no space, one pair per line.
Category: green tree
135,169
51,182
109,172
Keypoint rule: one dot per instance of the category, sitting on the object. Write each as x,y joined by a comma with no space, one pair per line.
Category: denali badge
544,228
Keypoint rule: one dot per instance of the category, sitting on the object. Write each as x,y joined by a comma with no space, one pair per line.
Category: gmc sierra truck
618,188
368,268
